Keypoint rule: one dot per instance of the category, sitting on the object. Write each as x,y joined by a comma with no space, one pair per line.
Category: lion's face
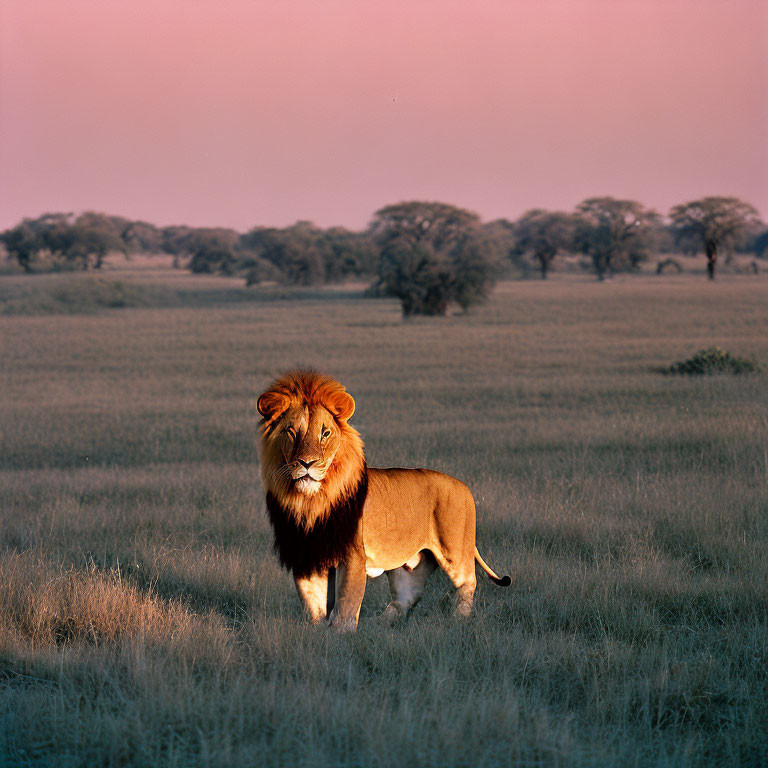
310,456
309,439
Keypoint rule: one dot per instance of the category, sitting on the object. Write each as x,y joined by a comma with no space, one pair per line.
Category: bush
715,360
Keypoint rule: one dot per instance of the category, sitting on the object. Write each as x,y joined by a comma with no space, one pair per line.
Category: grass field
144,619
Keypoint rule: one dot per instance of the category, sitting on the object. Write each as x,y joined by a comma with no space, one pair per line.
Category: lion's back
414,509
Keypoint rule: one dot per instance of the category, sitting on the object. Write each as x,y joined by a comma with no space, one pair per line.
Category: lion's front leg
317,593
350,588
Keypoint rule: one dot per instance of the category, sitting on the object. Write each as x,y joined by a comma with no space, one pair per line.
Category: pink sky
256,112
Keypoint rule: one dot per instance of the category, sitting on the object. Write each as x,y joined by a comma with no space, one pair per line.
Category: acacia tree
431,255
760,244
35,243
712,222
175,240
23,242
297,253
56,240
91,237
348,254
213,250
609,229
142,237
543,233
87,247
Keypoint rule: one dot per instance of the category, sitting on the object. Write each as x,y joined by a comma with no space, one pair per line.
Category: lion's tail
502,581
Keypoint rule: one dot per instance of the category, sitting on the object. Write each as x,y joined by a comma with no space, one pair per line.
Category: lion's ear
341,405
271,404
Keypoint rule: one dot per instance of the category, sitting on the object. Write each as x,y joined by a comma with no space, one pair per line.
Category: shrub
715,360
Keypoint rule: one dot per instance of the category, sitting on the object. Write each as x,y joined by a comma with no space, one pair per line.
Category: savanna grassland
144,619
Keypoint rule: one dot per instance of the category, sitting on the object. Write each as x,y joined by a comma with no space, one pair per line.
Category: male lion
336,520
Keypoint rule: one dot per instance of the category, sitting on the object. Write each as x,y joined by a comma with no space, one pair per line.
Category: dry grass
143,617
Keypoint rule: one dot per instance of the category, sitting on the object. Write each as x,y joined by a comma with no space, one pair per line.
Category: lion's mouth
306,484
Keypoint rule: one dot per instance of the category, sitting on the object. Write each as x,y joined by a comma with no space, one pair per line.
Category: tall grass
144,619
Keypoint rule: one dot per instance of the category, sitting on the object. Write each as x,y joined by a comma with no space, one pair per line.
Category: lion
337,521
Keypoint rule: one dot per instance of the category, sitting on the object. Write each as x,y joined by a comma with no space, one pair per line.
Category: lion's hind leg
462,576
406,585
466,595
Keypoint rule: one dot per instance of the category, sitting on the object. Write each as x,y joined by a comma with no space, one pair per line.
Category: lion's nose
306,464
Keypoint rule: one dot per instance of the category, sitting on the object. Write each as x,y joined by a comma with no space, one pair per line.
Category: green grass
144,619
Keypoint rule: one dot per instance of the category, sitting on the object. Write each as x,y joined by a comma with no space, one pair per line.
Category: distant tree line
428,255
301,254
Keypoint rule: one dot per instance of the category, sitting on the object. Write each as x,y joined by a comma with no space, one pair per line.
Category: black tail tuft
504,581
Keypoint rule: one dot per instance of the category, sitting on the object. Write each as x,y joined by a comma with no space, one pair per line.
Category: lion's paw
463,610
392,614
340,624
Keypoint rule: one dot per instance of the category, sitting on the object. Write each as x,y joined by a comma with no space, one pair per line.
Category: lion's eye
325,434
290,433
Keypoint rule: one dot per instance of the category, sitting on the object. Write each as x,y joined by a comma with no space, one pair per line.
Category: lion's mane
312,531
305,552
